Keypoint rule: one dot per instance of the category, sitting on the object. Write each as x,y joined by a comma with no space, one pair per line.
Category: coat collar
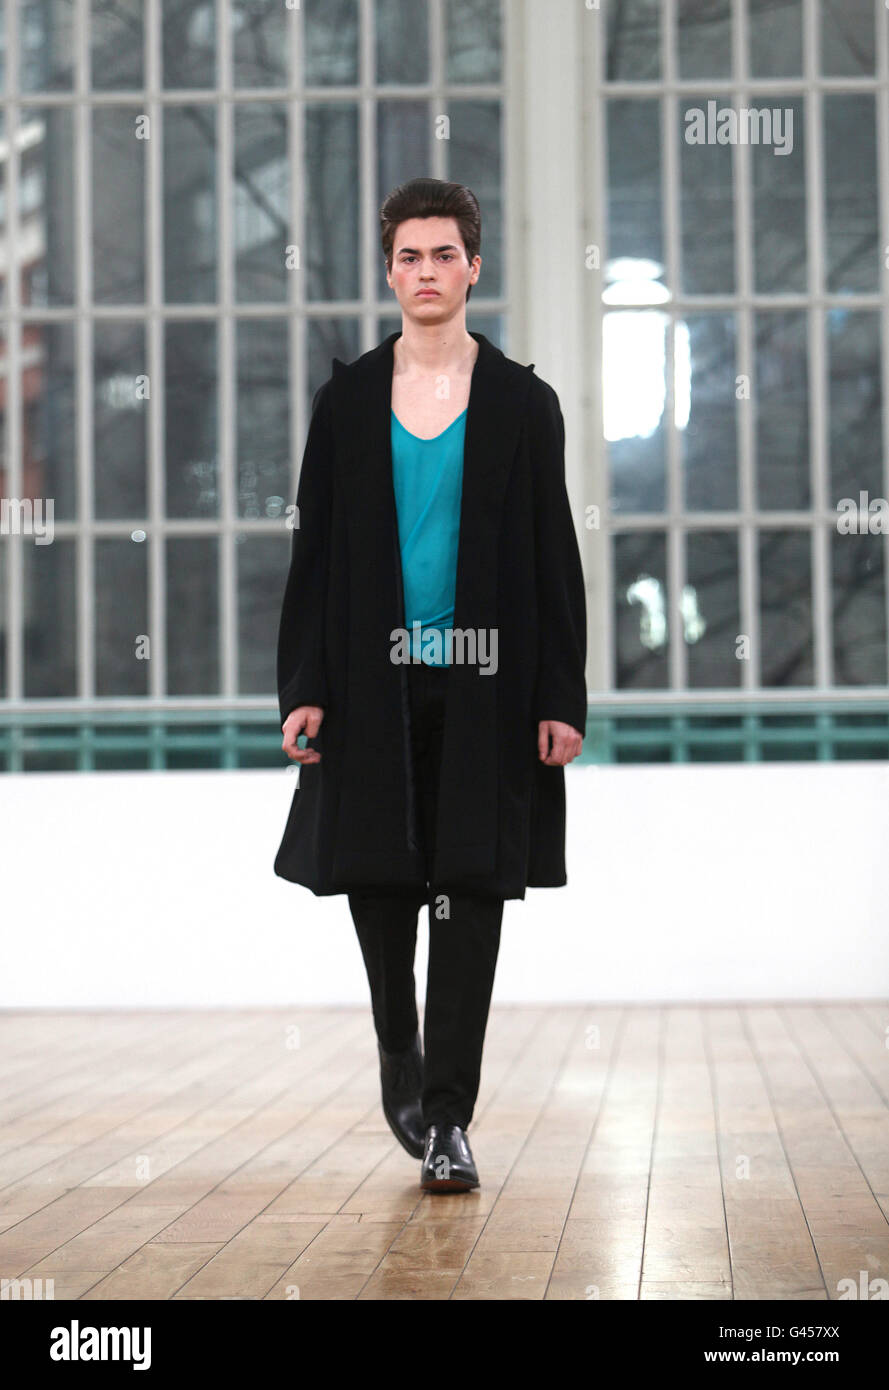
372,372
497,397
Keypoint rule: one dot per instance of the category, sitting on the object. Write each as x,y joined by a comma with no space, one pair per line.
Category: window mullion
818,366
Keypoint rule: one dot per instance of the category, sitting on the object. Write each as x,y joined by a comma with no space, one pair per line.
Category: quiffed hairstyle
432,198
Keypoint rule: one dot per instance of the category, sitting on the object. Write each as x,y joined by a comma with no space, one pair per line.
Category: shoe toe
448,1165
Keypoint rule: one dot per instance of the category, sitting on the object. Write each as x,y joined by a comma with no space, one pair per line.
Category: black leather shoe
401,1077
448,1165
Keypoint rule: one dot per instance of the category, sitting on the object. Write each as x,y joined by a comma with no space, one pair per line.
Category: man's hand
567,742
304,720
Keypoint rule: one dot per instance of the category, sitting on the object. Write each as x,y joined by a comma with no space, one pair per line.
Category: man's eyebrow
412,251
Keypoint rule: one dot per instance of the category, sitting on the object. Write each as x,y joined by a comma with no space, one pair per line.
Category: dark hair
432,198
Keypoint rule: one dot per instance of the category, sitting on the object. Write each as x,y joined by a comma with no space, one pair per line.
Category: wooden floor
624,1153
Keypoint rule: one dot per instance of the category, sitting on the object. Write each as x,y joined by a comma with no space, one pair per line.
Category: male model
432,649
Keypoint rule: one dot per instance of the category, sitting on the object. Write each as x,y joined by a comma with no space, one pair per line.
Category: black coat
501,813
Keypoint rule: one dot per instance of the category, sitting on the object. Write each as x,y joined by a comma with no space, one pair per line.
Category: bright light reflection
634,367
648,592
693,621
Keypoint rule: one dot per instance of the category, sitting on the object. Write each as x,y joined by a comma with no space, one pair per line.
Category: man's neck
422,351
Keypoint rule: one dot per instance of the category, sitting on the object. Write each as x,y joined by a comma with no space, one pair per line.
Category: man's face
428,255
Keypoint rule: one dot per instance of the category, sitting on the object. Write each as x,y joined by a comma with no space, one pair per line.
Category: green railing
662,727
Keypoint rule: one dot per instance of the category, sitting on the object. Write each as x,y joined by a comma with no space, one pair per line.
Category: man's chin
428,310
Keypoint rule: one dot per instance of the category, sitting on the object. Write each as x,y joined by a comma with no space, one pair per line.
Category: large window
189,204
744,330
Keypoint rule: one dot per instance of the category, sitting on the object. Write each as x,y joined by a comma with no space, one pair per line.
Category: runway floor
640,1152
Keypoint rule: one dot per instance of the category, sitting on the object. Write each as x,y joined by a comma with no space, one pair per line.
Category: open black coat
501,813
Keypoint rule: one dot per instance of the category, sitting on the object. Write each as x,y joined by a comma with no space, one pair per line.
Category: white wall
685,882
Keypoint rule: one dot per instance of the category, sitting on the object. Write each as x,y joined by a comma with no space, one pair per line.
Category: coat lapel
467,824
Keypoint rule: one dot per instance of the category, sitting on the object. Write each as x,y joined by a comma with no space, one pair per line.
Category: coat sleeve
560,690
302,678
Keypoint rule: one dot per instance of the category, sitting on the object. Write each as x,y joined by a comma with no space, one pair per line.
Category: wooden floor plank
600,1252
699,1152
876,1014
26,1038
167,1140
514,1254
51,1116
38,1173
848,1226
216,1214
771,1246
153,1271
60,1073
853,1092
686,1240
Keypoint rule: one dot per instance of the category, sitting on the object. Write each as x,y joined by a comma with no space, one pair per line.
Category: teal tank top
427,475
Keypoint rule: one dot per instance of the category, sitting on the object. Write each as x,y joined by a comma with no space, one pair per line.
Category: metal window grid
519,72
155,313
748,522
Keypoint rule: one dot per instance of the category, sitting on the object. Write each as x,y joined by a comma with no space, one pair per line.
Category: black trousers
463,945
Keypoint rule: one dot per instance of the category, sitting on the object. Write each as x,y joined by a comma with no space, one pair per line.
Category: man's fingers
307,721
560,750
301,755
566,743
313,724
